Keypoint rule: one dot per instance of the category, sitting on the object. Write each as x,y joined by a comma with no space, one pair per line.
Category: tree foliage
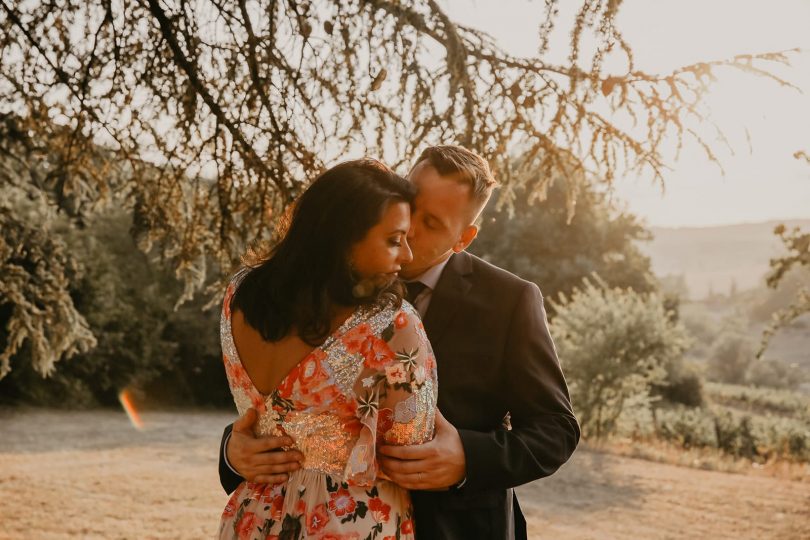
142,343
257,95
35,273
542,245
209,117
614,344
797,244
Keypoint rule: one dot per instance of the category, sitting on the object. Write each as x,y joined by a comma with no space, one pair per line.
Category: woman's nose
405,254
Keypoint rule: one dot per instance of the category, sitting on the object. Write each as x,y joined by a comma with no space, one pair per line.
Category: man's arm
243,456
544,430
435,465
229,479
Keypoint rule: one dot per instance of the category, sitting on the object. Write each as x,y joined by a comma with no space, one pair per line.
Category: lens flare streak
129,407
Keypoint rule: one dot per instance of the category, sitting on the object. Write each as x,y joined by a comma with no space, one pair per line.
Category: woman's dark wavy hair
308,271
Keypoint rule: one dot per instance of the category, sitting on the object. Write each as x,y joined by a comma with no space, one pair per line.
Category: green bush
687,426
614,345
684,386
730,357
733,434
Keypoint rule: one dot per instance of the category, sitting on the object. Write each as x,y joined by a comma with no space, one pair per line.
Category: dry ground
92,475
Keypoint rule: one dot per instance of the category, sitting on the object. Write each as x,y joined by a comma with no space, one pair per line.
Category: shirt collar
430,277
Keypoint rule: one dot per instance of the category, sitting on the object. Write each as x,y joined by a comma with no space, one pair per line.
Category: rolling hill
715,258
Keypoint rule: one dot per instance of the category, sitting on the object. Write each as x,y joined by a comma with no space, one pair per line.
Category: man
506,417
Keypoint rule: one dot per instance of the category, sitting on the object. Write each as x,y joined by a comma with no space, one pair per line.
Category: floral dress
372,381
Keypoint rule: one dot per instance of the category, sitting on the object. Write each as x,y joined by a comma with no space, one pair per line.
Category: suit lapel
448,295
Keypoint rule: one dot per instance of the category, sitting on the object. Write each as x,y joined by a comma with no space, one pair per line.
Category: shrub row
754,436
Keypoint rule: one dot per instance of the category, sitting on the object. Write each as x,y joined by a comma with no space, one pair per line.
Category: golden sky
762,182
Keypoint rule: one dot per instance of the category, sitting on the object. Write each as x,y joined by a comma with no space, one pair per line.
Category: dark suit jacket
495,356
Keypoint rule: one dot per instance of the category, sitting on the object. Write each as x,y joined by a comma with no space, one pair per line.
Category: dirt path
92,475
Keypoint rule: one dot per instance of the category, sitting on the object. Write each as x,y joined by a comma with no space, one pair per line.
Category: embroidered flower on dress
407,526
277,507
341,502
379,510
375,351
354,338
395,374
408,358
246,525
311,371
368,405
344,406
317,519
311,397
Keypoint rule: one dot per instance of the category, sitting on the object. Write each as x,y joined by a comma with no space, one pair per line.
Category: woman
317,339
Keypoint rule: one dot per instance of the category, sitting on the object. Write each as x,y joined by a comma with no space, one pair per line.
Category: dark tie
414,288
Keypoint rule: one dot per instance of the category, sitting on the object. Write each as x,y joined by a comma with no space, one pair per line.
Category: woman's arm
407,385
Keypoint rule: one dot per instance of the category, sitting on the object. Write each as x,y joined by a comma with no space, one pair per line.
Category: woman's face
379,256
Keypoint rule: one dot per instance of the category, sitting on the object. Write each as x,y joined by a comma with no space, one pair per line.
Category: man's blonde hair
466,166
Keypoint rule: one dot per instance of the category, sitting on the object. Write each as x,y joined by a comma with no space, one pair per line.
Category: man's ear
466,238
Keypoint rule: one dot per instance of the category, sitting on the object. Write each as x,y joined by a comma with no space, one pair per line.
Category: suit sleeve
544,429
227,477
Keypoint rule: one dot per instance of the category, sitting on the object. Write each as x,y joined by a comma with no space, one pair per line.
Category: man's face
440,223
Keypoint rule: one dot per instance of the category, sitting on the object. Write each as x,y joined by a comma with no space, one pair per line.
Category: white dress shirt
430,278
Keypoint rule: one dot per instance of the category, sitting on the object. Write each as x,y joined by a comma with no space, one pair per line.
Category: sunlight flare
129,407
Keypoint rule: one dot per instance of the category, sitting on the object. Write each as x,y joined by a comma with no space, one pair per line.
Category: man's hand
438,464
260,459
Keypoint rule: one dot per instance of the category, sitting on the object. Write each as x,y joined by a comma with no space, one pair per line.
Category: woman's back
267,363
375,376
